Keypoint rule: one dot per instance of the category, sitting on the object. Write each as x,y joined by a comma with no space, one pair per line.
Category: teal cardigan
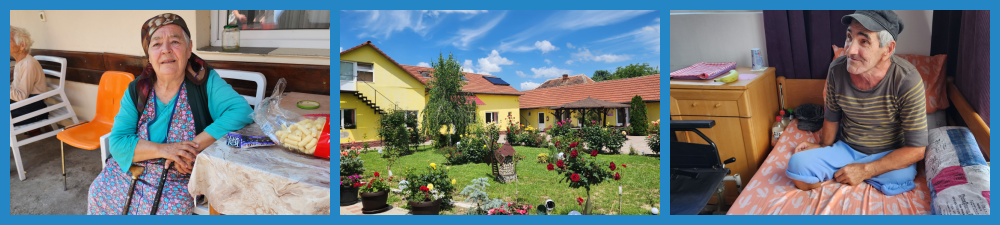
228,109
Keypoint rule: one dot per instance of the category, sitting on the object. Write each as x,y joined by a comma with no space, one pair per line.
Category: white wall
726,36
117,31
715,36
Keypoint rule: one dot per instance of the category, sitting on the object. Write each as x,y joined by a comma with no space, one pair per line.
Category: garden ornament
549,205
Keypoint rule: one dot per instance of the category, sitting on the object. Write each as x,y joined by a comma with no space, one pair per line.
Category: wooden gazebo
587,105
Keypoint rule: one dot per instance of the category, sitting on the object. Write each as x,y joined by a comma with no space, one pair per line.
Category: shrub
394,134
560,128
595,136
653,139
351,163
616,138
637,116
514,131
580,172
433,184
543,158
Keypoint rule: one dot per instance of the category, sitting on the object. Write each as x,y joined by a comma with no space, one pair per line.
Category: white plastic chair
247,76
57,112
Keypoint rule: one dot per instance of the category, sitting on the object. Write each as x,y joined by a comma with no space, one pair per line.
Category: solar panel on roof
497,81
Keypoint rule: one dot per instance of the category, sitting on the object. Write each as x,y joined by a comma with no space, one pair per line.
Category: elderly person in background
875,100
29,80
175,109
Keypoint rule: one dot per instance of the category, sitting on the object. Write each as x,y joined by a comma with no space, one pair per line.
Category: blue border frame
663,6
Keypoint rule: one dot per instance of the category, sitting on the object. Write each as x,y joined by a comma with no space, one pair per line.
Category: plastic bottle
776,129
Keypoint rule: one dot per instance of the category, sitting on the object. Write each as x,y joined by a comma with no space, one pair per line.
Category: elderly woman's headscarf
197,68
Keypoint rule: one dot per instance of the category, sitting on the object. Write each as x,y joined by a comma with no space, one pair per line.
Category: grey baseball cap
877,20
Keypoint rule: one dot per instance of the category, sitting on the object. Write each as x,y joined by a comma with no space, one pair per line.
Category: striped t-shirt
891,115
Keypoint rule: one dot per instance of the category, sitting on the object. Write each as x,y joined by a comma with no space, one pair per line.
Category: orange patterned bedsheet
770,192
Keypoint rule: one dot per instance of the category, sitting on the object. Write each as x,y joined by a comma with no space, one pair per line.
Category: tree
637,117
601,75
633,70
447,106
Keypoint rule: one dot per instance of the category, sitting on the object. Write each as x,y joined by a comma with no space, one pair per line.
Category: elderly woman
29,80
176,108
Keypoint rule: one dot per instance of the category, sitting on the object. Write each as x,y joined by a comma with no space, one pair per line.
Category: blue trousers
818,165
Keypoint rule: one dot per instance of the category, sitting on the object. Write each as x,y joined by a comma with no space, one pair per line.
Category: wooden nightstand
743,112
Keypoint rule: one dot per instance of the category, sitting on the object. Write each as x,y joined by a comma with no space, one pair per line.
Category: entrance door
541,121
621,117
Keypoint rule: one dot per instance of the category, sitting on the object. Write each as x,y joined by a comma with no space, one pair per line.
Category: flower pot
348,196
425,208
374,202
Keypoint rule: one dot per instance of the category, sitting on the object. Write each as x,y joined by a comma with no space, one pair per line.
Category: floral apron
108,193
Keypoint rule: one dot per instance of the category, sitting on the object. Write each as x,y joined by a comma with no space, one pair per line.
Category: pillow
957,174
932,72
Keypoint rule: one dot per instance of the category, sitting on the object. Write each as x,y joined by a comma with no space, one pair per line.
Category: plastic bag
308,134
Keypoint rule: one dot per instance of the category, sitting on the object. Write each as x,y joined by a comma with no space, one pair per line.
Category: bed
770,192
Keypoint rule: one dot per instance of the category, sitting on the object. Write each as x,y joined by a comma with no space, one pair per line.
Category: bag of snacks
308,134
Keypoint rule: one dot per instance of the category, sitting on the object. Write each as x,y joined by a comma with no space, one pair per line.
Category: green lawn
640,181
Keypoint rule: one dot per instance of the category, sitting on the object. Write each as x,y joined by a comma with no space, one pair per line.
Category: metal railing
374,95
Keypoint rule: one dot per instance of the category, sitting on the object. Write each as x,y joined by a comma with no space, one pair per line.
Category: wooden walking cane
136,171
159,188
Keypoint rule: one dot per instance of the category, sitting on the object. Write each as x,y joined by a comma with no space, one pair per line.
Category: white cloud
584,54
568,45
423,64
569,21
569,62
466,36
521,74
648,36
492,63
528,85
468,67
341,49
547,61
383,23
548,72
545,46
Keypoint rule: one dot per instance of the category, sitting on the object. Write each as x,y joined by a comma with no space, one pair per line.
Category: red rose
593,153
579,201
573,153
575,177
624,166
376,174
560,164
612,166
369,185
557,144
550,167
573,145
424,188
617,177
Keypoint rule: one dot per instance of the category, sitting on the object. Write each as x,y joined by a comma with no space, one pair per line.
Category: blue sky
525,48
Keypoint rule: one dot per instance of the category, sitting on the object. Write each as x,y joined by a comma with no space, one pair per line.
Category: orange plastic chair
86,135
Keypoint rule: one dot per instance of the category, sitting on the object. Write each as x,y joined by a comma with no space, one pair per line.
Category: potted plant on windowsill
351,166
428,193
374,195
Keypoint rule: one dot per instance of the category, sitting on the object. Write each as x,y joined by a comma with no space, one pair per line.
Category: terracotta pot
374,202
425,208
348,196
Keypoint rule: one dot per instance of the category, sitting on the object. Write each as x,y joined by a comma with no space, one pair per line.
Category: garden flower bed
640,182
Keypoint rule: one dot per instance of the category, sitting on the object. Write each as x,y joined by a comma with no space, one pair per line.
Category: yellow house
372,82
536,104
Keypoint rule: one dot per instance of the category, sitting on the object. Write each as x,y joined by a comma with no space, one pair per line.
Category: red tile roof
620,91
570,80
476,84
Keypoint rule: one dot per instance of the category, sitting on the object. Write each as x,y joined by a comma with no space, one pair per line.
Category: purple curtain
799,41
972,77
965,36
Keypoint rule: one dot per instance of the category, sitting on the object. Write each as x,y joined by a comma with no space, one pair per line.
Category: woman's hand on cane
181,154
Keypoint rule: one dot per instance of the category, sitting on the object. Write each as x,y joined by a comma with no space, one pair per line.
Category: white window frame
356,69
293,38
342,119
489,116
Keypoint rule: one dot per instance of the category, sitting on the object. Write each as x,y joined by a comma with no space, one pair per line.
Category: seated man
875,100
